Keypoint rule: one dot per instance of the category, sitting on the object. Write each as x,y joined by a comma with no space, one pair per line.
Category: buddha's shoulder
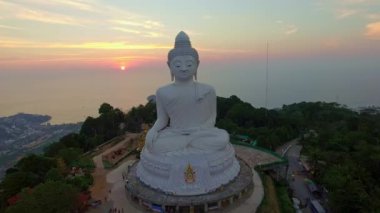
205,87
171,89
205,90
165,89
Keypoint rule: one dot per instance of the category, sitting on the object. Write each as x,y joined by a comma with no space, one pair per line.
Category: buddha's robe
189,112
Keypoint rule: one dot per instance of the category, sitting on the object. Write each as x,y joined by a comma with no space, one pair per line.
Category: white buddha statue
186,109
184,152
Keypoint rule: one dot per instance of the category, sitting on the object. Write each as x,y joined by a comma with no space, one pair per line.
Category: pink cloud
373,30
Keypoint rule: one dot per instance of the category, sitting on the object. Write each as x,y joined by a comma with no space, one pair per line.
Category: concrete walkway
253,202
117,194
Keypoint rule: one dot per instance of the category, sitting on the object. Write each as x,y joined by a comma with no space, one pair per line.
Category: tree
346,188
36,164
53,149
14,182
81,182
70,155
228,125
105,108
54,175
49,197
89,127
71,140
85,163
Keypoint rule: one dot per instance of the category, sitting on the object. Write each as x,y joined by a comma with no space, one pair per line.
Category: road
297,173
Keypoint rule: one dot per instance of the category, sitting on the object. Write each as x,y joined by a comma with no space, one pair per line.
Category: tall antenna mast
267,78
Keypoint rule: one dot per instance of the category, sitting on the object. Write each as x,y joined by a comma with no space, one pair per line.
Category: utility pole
266,84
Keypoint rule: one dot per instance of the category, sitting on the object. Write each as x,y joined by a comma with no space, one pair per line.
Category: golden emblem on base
189,174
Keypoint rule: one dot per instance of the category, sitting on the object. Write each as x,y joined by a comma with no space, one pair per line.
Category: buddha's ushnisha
186,109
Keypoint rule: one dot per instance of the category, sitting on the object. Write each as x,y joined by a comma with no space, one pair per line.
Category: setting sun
122,67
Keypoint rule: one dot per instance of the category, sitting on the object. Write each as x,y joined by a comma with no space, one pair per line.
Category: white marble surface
185,134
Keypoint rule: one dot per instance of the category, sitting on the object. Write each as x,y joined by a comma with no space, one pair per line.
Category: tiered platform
224,196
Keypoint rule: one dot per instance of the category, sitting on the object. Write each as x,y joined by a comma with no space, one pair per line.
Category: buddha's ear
195,75
168,64
172,76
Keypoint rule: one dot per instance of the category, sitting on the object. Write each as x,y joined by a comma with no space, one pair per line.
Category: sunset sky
65,57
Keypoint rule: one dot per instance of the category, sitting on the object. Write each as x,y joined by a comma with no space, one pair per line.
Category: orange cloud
373,30
19,43
110,45
147,24
126,30
47,17
86,6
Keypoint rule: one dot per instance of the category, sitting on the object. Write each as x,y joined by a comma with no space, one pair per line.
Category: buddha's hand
151,137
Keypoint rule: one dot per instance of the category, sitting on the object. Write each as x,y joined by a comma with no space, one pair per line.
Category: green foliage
67,152
89,127
284,200
347,188
343,147
85,163
27,172
53,149
270,127
139,115
14,182
49,197
35,164
54,175
345,158
106,126
70,155
228,125
81,182
94,131
105,108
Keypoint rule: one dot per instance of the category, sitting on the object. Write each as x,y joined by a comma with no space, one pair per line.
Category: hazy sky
66,57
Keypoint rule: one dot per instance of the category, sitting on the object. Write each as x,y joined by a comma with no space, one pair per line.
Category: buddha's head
183,60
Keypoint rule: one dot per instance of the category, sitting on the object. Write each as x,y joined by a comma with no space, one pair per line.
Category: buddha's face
183,67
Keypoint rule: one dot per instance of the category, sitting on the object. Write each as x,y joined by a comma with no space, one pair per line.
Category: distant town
22,134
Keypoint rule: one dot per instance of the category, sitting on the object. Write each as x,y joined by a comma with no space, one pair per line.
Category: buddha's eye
189,65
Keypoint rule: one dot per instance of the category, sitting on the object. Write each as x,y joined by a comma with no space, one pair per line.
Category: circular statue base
222,198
